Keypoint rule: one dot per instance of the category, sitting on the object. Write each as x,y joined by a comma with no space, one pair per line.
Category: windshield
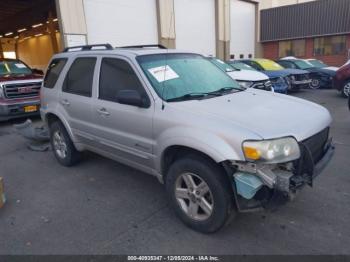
267,64
184,74
242,66
14,67
222,65
301,64
317,63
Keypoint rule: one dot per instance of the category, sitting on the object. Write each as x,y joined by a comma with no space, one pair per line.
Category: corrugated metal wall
323,17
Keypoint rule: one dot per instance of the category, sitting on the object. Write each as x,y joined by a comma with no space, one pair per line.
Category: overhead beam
26,18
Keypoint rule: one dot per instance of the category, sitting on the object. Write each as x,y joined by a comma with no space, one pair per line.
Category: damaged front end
261,185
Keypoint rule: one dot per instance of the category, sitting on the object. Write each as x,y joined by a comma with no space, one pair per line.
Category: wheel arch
51,117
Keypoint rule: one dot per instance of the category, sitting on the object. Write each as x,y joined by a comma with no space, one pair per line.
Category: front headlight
245,84
272,151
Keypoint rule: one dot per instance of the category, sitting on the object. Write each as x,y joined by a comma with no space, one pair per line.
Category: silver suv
219,149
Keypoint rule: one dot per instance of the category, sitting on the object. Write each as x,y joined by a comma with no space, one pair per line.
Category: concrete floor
102,207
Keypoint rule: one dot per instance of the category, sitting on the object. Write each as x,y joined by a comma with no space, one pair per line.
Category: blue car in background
298,79
279,80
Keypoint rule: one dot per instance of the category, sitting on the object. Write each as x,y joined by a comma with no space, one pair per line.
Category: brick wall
270,51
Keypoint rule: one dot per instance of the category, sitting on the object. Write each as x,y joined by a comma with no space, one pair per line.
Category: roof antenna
166,55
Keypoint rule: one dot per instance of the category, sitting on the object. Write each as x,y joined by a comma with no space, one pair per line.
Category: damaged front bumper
259,186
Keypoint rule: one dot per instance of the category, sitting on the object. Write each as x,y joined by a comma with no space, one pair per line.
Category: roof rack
144,46
87,47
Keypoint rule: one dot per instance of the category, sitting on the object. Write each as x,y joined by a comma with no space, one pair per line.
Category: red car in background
19,89
341,81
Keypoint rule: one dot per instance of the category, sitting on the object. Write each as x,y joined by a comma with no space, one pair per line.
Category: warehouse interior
29,30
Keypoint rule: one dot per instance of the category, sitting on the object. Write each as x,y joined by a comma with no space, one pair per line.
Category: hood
5,78
266,114
247,75
295,71
322,70
332,68
274,74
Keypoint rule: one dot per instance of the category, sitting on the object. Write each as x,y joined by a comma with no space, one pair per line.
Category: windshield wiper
191,96
226,90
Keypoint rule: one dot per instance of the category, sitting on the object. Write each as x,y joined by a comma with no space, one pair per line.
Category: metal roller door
121,22
195,26
242,43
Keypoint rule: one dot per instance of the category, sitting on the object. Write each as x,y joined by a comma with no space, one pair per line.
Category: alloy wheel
194,196
346,90
59,144
315,84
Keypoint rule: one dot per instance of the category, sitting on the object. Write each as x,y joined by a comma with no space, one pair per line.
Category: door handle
65,102
103,112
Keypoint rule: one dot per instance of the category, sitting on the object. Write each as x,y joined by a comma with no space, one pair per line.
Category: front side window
54,71
331,45
14,67
176,75
80,76
116,75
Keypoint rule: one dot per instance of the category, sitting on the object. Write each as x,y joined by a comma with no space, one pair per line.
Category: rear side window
54,71
117,74
80,76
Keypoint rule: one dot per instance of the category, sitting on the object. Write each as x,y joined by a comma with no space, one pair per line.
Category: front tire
200,193
346,90
62,146
315,84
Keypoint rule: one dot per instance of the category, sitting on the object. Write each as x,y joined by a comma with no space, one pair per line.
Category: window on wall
331,45
292,48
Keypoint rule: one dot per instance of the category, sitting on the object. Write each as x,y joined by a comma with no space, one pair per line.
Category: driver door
125,131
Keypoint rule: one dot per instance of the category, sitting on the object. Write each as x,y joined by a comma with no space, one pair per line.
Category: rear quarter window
53,72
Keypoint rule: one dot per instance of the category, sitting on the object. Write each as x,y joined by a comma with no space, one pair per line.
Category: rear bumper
11,110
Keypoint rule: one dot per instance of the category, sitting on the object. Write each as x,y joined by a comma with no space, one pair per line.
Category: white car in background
246,78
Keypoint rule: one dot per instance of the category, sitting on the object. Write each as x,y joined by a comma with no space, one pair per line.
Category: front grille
265,85
316,144
302,77
22,90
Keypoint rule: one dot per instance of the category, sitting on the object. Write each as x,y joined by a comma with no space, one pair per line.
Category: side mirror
132,98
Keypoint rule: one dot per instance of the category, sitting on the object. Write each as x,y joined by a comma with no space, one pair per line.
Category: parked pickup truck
218,148
19,89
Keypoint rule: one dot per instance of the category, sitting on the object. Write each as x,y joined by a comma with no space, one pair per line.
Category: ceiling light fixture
37,25
9,33
21,30
55,20
38,35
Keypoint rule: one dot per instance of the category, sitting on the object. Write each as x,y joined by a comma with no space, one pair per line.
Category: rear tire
346,90
62,145
200,193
